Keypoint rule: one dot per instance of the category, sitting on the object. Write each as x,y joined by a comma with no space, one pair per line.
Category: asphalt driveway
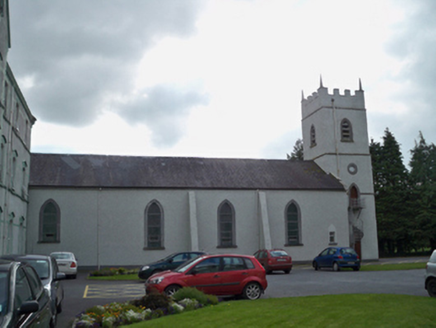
81,293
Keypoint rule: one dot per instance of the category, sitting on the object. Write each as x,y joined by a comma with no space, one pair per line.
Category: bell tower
335,136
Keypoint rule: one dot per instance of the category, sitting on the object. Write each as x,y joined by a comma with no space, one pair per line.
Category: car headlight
156,281
145,268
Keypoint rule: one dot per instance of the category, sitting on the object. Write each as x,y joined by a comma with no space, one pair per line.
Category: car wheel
287,271
252,291
431,287
336,266
356,268
315,265
171,289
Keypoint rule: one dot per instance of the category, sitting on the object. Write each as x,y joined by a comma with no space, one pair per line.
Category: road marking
114,291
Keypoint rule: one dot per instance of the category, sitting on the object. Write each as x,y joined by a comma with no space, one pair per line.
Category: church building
125,210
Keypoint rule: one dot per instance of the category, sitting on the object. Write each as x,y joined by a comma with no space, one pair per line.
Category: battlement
322,98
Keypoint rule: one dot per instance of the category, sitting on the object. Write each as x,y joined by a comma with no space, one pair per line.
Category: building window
49,222
346,131
293,235
153,226
332,235
226,225
312,136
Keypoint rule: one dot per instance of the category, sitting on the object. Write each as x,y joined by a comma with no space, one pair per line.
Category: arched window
346,130
293,226
226,225
49,222
154,226
312,136
354,197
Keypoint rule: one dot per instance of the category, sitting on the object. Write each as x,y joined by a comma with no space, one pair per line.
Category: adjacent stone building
16,122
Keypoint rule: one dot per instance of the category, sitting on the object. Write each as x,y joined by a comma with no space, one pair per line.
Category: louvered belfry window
346,130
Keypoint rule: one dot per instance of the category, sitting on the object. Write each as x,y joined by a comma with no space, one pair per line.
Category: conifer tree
423,181
391,195
297,153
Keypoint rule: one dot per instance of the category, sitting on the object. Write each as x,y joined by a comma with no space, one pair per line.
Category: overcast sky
217,78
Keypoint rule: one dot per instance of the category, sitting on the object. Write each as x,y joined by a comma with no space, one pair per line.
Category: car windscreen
3,293
185,266
41,267
278,253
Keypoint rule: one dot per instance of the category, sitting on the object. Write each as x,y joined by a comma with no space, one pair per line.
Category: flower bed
149,307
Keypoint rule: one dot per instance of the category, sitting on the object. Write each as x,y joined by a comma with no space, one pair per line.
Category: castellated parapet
322,99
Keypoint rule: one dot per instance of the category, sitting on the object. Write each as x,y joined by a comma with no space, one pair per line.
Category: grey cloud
79,51
414,43
164,110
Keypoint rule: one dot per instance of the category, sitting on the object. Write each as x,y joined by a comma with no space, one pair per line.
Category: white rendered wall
119,215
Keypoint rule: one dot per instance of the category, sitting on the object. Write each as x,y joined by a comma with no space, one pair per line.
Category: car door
56,284
233,273
205,276
28,287
330,257
323,258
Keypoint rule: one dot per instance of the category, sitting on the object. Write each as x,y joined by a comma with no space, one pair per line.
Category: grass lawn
354,310
395,266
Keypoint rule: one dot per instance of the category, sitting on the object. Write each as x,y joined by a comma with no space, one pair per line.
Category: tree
297,153
391,195
423,181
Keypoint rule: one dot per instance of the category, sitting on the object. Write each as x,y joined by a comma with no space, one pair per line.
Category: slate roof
88,171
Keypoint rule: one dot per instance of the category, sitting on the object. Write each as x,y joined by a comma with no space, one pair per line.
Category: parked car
67,263
47,270
24,302
274,259
168,263
214,274
337,258
430,275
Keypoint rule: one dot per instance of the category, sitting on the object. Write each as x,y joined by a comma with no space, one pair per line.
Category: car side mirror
28,307
170,260
193,272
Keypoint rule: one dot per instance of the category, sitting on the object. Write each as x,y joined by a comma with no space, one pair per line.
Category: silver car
47,270
430,275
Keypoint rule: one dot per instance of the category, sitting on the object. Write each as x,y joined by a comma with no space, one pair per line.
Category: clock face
352,168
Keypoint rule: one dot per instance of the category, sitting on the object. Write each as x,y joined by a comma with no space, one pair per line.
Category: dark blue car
337,258
169,263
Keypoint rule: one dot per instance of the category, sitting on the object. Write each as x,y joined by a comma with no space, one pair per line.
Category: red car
274,259
214,274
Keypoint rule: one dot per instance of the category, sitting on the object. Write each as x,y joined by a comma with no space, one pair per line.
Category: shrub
194,294
153,301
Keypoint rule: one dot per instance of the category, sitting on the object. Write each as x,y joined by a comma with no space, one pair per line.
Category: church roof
87,171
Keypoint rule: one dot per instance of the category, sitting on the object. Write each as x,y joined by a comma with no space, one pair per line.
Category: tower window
312,136
346,131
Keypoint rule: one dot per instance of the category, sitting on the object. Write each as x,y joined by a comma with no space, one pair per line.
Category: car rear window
348,251
62,256
278,253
